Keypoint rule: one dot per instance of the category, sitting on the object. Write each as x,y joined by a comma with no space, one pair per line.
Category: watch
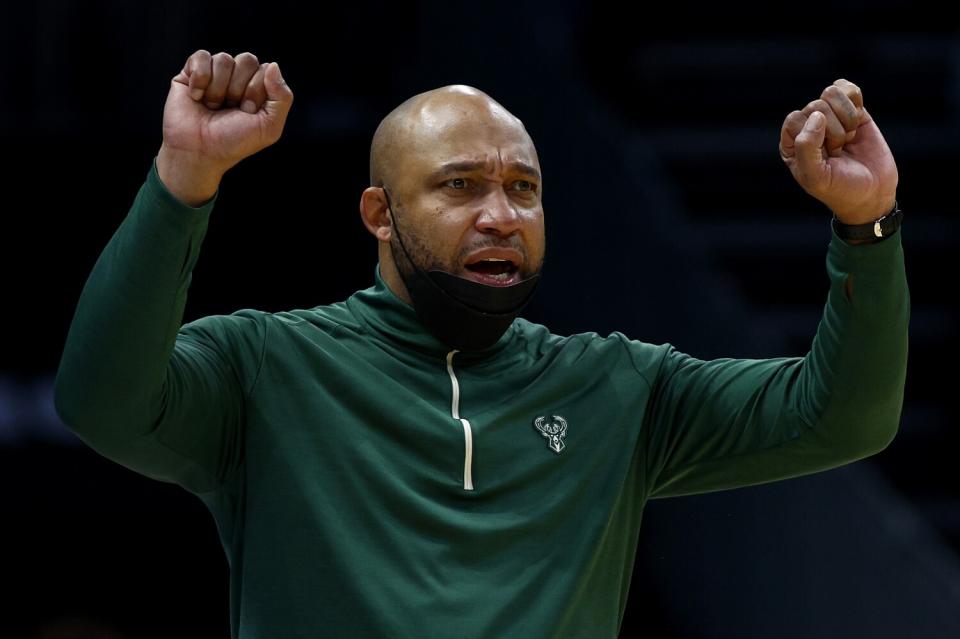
881,228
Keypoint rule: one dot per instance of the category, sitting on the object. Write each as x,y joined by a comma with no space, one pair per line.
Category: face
467,196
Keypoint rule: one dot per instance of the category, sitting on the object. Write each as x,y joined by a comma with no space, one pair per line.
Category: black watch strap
884,227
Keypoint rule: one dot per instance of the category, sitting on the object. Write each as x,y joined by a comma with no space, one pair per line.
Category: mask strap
393,220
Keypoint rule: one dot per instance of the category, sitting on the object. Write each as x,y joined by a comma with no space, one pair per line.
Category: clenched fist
219,110
836,153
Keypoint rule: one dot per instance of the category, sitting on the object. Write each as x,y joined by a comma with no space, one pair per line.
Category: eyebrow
475,165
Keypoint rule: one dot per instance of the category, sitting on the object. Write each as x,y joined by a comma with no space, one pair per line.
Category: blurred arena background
670,217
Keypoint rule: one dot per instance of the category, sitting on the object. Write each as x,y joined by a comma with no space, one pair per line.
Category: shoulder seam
263,352
622,339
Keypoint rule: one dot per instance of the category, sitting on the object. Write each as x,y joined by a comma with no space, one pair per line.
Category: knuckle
247,58
794,117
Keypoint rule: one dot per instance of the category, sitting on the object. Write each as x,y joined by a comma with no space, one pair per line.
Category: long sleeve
726,423
163,400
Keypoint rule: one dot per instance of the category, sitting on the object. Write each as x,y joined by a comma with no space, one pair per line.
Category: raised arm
164,400
733,422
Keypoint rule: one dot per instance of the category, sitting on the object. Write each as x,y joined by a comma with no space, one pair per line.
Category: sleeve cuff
878,252
158,192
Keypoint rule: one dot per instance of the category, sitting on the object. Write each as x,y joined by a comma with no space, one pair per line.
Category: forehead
458,136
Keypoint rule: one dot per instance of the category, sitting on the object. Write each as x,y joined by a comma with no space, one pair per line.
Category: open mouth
494,272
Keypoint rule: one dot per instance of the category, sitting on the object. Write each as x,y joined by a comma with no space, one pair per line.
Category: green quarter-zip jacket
367,481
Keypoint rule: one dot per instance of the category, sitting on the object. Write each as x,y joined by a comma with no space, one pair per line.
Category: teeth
493,259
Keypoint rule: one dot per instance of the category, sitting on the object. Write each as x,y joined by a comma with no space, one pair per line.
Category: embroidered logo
554,429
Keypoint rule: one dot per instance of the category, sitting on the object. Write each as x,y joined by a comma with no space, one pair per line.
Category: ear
375,214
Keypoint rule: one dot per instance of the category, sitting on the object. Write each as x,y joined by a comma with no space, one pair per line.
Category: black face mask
463,314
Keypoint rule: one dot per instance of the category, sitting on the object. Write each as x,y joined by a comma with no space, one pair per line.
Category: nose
498,215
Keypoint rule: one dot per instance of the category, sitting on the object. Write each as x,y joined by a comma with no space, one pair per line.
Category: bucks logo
554,429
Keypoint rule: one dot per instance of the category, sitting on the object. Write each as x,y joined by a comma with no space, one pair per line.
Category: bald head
430,118
459,173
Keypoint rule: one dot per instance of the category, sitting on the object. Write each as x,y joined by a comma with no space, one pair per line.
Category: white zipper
467,431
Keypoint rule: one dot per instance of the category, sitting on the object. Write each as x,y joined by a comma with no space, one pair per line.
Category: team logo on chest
554,428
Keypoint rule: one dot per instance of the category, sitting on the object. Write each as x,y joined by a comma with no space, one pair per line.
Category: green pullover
366,481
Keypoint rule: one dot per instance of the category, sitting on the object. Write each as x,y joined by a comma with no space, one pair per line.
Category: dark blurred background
670,217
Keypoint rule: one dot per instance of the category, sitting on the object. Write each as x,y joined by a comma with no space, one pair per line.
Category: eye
458,184
524,185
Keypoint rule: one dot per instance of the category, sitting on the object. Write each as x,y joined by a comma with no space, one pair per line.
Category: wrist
865,214
875,230
191,179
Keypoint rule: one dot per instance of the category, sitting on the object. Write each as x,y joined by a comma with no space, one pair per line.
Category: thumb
809,145
279,95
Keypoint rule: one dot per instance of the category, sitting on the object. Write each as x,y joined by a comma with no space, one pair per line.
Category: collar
389,319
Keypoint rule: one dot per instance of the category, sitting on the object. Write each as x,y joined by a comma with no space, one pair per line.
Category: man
417,460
